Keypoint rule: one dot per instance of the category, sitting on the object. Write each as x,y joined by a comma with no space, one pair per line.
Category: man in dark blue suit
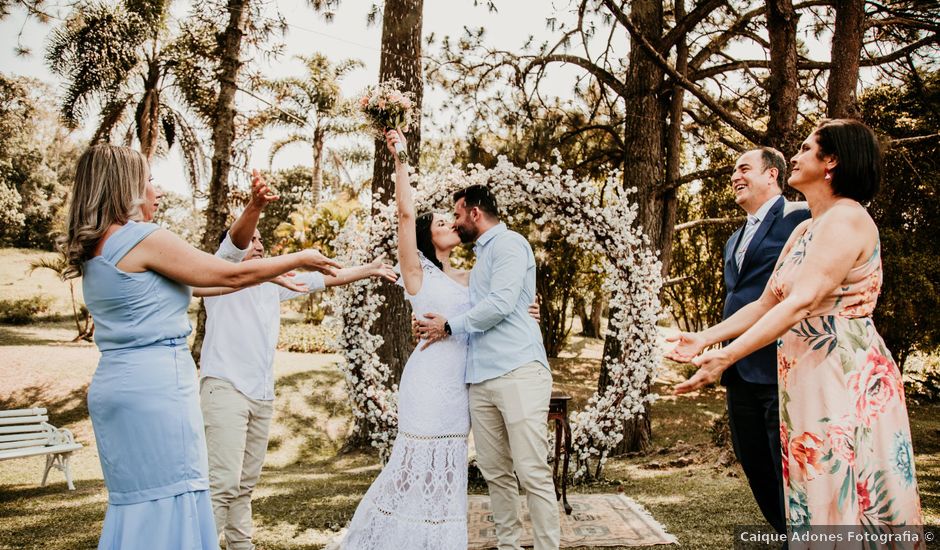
749,259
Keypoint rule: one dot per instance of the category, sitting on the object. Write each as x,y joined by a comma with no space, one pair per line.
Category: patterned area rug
597,520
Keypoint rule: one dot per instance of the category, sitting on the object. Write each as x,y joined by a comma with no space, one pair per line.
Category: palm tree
314,110
58,264
120,57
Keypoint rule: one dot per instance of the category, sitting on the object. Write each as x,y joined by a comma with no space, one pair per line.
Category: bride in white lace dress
419,501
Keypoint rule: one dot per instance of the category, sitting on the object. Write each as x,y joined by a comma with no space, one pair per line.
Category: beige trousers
237,439
509,417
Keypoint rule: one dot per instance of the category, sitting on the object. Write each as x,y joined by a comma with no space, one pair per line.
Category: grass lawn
307,490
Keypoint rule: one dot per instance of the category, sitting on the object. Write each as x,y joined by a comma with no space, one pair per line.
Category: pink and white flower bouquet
388,108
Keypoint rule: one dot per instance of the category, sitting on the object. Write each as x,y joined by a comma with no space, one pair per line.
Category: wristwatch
447,328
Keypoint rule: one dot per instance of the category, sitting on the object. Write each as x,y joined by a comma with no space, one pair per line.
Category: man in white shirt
237,365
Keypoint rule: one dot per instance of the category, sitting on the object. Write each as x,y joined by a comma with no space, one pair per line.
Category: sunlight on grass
18,282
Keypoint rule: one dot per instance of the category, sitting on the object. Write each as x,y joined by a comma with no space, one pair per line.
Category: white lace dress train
419,500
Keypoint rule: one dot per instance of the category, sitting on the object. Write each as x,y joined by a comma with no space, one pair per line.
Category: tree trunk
580,307
148,112
590,320
846,51
317,172
784,77
401,59
644,128
673,149
223,138
597,310
78,326
643,169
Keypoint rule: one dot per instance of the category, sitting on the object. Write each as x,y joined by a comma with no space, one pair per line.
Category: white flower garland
596,219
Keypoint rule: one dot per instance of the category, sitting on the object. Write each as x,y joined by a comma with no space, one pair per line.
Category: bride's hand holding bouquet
386,108
396,142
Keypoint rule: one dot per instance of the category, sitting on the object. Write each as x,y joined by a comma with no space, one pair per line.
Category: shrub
11,215
306,338
922,378
23,311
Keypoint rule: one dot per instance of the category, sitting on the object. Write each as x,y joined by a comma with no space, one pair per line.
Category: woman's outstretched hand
710,366
391,138
379,269
316,261
688,345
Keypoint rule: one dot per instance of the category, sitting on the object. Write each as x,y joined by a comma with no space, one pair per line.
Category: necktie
749,230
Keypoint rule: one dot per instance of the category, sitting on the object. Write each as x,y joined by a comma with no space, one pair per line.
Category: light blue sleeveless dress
144,406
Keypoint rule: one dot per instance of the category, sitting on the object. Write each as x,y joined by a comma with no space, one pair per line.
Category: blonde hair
109,188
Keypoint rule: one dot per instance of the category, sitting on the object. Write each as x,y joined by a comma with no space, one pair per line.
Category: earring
828,175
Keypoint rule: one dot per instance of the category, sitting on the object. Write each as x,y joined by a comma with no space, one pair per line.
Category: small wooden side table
558,413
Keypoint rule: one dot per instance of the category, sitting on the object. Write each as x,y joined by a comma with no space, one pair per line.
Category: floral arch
596,218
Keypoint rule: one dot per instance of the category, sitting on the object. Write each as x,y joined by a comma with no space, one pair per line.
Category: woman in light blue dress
143,399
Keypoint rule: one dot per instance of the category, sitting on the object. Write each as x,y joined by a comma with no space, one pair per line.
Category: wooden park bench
27,432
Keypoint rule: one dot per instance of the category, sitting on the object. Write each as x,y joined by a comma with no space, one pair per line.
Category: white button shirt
753,222
242,330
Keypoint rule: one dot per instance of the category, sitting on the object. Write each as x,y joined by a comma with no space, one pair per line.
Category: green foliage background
37,161
906,211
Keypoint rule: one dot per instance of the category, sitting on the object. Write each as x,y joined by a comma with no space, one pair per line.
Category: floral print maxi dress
844,431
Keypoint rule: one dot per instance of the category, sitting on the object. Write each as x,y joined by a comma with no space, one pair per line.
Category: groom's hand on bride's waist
432,329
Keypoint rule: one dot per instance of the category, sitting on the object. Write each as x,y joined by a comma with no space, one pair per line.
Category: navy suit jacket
747,284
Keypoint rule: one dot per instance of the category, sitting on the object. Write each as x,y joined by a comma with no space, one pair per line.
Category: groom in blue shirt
507,369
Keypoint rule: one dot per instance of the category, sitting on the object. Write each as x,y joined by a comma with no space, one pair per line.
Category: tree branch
903,22
809,64
914,139
744,64
687,23
675,280
603,127
604,76
736,29
709,221
898,54
735,122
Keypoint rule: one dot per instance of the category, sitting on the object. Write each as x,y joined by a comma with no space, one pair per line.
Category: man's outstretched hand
261,192
287,281
711,364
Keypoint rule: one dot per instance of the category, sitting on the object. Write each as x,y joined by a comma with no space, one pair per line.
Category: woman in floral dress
845,436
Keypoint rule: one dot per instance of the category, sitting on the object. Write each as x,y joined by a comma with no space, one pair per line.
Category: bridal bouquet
387,108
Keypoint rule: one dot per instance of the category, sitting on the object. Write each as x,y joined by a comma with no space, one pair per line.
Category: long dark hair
423,234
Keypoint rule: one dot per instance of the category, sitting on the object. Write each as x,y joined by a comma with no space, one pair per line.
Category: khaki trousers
509,417
237,439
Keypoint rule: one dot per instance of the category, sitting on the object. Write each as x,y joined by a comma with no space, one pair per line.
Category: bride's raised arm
407,239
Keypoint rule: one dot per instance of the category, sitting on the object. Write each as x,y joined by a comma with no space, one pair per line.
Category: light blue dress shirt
503,336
